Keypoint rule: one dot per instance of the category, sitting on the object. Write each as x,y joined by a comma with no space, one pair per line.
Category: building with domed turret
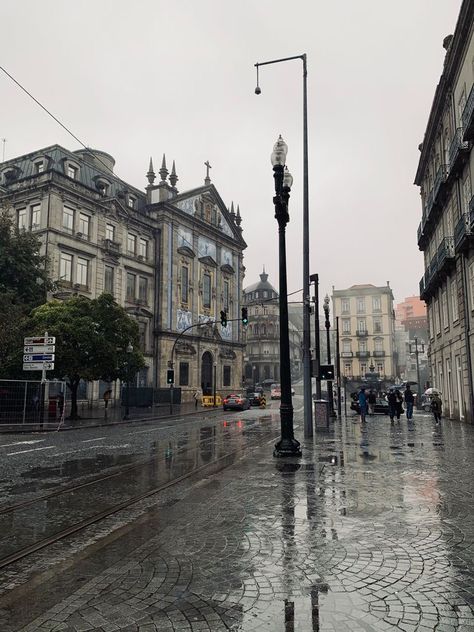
172,259
262,354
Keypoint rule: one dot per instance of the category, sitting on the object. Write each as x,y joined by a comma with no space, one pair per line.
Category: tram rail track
96,517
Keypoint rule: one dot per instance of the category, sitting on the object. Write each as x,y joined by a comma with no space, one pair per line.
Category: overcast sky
139,79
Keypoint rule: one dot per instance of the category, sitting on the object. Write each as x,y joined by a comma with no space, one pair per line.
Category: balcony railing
379,354
422,287
458,149
362,333
467,116
346,354
111,246
362,354
445,254
462,232
440,179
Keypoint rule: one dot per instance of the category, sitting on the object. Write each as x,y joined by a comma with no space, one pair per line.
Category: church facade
172,260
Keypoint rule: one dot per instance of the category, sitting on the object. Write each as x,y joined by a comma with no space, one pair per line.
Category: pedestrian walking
372,400
106,397
399,404
196,396
362,404
392,404
436,407
409,401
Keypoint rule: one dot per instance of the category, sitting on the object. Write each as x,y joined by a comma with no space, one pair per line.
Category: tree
92,337
23,285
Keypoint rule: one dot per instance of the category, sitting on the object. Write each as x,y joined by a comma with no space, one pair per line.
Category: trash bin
321,414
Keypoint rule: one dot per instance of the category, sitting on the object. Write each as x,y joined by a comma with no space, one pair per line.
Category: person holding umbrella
436,406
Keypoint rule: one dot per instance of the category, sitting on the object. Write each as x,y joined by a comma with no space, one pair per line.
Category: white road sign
38,366
40,340
39,348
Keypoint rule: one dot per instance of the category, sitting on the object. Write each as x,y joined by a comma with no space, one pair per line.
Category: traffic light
223,318
170,376
326,372
245,318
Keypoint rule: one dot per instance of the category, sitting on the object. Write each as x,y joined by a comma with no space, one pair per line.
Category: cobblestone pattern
372,531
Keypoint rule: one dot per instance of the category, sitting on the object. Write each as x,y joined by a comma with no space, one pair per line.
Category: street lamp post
215,378
317,343
127,399
308,417
328,342
338,369
418,399
287,445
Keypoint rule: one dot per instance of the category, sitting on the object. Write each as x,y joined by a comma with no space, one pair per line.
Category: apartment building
366,331
446,230
172,260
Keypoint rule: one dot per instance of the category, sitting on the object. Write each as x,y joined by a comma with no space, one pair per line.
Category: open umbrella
430,391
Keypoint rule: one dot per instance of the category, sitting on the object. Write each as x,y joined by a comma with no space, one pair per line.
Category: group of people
395,401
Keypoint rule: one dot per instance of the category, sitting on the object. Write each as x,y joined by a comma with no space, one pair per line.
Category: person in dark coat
362,404
372,400
392,403
399,404
409,401
436,407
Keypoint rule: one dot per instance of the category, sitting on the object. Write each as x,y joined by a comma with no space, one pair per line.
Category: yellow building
366,330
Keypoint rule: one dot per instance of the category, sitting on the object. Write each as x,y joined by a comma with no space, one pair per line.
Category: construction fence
31,403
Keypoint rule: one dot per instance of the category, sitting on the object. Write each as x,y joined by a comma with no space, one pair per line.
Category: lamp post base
286,448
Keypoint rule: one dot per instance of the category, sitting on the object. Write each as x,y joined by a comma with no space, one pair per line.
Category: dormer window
72,172
102,185
131,201
39,166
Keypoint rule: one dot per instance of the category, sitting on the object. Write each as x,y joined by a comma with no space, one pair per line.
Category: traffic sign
40,340
39,357
39,348
38,366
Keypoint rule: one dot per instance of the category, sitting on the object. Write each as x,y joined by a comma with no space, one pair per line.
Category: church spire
232,212
264,275
238,219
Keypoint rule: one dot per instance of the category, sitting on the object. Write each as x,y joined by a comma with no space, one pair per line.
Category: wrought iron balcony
445,254
458,152
362,333
379,354
422,287
362,354
462,232
468,116
111,246
439,182
346,354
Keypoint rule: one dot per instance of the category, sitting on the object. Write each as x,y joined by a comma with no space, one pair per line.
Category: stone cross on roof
207,179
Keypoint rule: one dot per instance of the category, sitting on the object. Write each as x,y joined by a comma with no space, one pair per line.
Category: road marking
32,442
89,440
49,447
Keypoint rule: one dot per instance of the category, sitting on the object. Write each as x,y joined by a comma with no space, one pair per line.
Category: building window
348,369
346,346
36,217
454,299
206,290
363,368
361,305
131,201
143,248
131,244
142,329
444,307
378,344
110,232
226,296
84,221
109,280
361,325
184,373
131,281
377,326
346,326
226,375
184,284
143,289
471,284
68,219
21,219
380,368
82,267
437,317
65,267
376,304
345,305
39,167
72,172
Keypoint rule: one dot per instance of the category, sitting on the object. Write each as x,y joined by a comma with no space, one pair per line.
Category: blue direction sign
39,357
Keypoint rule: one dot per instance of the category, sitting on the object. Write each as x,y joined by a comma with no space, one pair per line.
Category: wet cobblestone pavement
372,530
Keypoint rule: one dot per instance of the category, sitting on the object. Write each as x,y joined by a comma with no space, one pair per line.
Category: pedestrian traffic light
245,318
170,376
223,318
326,372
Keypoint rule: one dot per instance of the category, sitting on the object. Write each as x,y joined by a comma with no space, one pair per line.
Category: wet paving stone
372,531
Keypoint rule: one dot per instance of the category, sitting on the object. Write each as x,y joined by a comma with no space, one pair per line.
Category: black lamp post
418,397
215,379
127,399
328,342
287,445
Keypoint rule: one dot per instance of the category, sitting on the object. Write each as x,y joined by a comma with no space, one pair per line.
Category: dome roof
263,284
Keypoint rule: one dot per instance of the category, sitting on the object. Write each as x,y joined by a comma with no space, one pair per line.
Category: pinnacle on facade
151,174
232,212
173,177
238,219
163,171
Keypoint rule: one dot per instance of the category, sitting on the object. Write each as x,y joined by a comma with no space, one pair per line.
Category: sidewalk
372,530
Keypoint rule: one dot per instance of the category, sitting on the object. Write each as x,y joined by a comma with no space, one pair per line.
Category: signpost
38,366
39,354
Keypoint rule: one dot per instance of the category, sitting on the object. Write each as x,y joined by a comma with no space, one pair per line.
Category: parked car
236,401
381,406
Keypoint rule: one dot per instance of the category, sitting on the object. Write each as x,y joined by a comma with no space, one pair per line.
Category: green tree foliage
23,286
92,337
